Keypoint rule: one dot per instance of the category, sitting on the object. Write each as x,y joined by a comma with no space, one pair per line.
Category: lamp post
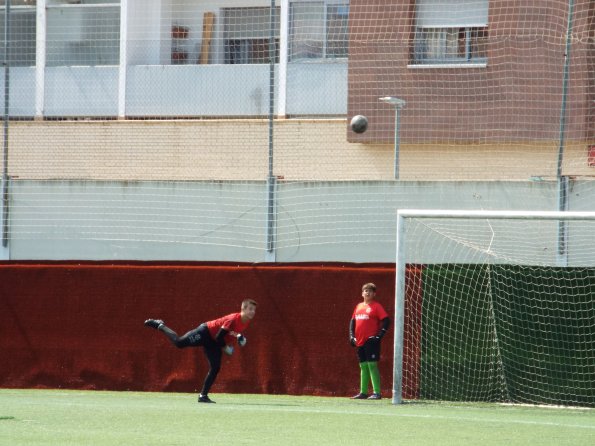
398,104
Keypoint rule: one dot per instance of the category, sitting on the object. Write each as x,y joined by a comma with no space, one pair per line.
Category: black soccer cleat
375,396
204,399
154,323
360,396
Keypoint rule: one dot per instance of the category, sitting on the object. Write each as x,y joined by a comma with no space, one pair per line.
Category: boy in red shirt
368,325
214,336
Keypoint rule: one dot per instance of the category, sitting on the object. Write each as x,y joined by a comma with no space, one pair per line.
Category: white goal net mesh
499,310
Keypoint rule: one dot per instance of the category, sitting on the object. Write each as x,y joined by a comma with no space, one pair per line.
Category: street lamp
398,104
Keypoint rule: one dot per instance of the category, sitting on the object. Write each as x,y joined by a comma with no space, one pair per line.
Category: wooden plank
207,34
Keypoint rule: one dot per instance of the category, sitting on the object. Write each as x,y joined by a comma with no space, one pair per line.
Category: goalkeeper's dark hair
247,302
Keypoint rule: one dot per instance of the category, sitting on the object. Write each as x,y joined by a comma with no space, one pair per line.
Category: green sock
375,375
364,377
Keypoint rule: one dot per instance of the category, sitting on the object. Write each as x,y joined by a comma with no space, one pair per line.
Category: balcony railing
176,91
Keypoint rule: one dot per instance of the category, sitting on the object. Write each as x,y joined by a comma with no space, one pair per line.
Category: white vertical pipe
283,58
399,313
40,57
122,69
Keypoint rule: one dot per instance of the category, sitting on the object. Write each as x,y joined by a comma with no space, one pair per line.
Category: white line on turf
402,415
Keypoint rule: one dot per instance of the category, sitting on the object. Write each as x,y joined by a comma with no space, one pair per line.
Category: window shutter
451,13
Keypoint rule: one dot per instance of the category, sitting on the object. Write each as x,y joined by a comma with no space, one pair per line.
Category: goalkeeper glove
380,334
352,341
242,340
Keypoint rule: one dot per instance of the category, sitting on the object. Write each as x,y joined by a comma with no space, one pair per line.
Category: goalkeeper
214,337
368,325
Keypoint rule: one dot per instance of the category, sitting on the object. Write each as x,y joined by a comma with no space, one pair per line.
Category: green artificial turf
61,417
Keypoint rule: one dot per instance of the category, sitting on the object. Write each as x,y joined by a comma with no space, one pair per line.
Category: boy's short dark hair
369,286
247,302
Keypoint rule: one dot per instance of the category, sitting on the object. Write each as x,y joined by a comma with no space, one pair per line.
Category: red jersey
368,319
231,322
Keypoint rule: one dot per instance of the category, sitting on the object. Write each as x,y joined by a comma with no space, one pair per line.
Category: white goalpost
495,306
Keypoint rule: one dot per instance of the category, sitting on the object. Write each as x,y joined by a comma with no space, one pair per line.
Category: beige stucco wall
238,150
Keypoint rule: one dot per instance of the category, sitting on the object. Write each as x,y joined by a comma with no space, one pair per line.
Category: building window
247,35
85,32
450,45
22,32
451,31
318,30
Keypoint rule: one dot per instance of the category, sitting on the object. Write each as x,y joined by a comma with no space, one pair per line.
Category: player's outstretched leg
180,342
154,323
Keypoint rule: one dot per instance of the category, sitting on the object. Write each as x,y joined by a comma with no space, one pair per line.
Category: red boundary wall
80,326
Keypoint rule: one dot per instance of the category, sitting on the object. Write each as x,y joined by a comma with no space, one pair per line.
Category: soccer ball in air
359,124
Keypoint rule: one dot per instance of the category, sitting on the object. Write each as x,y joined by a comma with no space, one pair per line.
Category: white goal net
495,306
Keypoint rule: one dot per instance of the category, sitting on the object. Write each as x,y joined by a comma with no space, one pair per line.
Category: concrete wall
196,190
226,221
237,149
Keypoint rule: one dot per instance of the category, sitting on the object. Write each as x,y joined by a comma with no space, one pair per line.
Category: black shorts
199,337
369,352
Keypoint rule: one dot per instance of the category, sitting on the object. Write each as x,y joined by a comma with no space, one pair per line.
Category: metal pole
398,104
512,215
565,89
6,116
397,141
272,52
562,252
562,180
270,243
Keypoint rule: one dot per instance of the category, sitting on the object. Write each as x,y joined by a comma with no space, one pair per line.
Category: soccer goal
495,306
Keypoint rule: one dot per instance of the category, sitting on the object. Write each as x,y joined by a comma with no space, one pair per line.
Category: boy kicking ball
214,337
